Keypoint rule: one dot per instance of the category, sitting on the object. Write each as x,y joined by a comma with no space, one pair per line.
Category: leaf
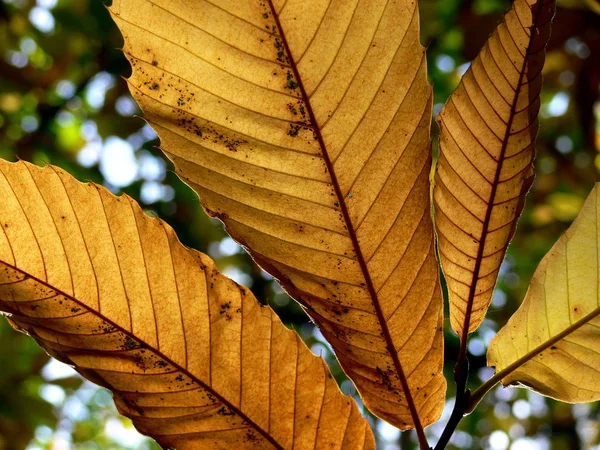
485,167
551,343
190,356
304,127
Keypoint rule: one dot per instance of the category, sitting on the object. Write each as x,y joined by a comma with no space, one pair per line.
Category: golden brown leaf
551,343
485,167
190,356
304,127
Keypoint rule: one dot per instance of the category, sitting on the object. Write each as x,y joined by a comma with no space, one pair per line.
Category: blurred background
63,101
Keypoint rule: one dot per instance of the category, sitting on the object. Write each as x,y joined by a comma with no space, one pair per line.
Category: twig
480,392
461,375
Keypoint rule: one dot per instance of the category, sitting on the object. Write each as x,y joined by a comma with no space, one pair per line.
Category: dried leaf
551,343
485,167
190,356
304,127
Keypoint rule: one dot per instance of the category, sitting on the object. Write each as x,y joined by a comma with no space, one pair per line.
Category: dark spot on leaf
291,84
294,130
129,343
223,411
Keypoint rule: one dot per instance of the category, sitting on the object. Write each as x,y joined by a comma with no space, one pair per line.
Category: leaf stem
461,375
480,392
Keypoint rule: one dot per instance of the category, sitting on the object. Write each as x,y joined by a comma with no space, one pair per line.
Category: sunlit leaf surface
191,357
551,344
485,168
304,127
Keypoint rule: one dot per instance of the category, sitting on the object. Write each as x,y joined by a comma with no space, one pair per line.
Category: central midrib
351,232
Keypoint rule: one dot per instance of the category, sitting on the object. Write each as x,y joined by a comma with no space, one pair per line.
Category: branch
461,375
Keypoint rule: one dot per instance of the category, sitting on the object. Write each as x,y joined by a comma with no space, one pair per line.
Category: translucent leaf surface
552,342
191,357
304,127
485,167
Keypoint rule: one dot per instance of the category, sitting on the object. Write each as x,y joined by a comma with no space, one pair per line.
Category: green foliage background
62,101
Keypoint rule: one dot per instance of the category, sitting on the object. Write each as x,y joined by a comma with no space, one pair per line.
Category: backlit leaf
552,342
485,167
191,357
304,127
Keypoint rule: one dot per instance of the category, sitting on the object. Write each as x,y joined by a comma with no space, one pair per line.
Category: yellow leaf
190,356
485,167
551,343
304,127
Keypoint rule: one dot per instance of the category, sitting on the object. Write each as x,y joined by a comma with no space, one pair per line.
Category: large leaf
191,356
485,168
552,342
304,127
